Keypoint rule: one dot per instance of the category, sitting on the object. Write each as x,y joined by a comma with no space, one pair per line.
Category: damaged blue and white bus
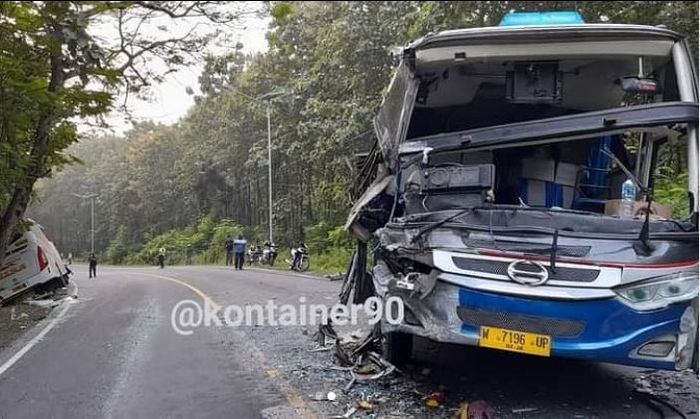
512,198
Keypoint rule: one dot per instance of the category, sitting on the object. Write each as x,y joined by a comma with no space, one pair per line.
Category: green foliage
206,238
671,176
332,261
220,232
280,10
118,249
322,237
330,247
671,188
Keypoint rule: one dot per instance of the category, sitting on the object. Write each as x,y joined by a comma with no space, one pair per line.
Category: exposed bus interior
582,174
468,87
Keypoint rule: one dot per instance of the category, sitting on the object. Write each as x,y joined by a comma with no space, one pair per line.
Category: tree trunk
22,192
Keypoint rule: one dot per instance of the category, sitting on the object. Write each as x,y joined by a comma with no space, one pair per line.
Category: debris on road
346,415
430,402
325,334
366,369
661,406
24,312
16,318
357,354
524,410
435,398
337,277
642,384
42,303
364,405
321,397
351,337
480,410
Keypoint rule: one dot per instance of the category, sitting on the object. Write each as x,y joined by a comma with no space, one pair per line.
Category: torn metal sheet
353,223
391,122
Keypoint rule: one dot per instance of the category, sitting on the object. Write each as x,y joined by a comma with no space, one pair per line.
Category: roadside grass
331,262
330,247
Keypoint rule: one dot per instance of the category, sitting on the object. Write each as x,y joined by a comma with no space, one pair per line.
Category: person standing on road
161,257
229,251
92,262
239,249
70,258
188,254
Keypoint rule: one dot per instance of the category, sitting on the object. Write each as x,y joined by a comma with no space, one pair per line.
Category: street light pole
92,224
269,168
267,99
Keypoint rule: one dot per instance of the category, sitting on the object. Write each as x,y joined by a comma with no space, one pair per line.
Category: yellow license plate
515,341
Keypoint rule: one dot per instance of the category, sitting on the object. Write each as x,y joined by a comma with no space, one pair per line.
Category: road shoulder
20,323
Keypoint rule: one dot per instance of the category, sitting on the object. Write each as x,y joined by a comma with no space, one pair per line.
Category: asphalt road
113,353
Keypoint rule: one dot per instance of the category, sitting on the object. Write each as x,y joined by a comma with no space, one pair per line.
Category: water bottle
628,195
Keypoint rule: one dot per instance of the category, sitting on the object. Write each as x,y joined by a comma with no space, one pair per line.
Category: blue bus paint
612,329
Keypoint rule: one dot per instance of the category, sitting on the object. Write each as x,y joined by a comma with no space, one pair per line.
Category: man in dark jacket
229,251
92,262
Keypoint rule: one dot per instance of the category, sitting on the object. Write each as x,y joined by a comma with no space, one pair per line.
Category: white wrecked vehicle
492,198
31,263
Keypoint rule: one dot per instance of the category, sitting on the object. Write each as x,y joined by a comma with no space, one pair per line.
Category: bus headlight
660,291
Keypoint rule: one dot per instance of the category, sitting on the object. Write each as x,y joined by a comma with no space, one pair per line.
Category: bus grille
501,268
543,325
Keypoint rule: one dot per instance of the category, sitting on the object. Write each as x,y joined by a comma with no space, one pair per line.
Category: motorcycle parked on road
300,258
255,254
269,254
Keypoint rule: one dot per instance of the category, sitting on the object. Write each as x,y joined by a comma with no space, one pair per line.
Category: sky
169,101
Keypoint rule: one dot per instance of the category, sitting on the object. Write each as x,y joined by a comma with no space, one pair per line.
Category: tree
54,69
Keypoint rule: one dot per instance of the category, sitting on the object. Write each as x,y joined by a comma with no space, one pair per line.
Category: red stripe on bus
680,264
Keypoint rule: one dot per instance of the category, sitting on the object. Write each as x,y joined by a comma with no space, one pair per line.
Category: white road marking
16,357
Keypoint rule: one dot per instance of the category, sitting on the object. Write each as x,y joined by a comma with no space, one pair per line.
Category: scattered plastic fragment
364,405
366,369
435,398
432,403
524,410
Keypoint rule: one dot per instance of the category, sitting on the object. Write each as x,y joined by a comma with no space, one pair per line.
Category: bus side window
669,179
